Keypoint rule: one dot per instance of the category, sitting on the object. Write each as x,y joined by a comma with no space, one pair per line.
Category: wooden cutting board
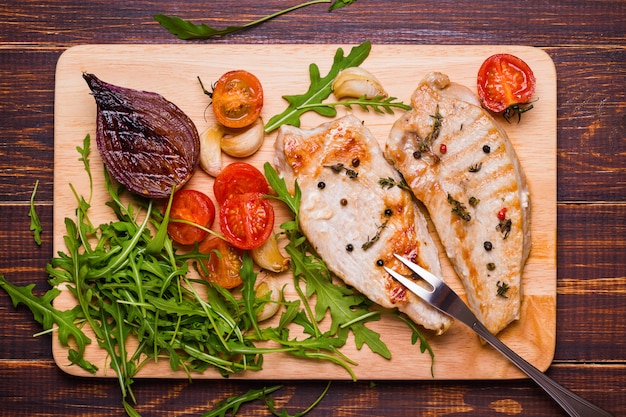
172,71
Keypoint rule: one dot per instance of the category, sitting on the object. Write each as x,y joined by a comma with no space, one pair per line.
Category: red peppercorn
443,148
502,213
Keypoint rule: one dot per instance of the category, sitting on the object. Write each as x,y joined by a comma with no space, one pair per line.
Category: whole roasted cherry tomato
223,269
239,178
506,85
192,206
247,220
237,99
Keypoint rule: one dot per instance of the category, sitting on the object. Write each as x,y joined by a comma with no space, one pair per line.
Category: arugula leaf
48,316
233,403
35,224
319,89
283,413
186,30
84,158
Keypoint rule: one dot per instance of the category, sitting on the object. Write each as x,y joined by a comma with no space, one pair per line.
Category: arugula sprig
35,224
187,30
319,89
63,322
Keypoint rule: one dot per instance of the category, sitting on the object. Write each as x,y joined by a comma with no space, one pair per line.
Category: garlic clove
210,151
243,143
356,82
268,256
270,308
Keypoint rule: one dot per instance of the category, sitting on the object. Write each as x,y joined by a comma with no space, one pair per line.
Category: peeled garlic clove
268,256
265,287
210,152
356,82
241,144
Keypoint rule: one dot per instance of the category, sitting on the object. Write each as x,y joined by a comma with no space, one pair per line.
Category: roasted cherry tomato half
506,85
239,178
192,206
247,220
237,99
223,269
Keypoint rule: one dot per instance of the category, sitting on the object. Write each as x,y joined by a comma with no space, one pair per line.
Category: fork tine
424,274
412,286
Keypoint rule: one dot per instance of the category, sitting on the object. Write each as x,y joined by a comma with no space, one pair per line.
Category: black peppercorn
356,162
417,154
349,247
388,212
488,246
321,185
380,262
491,266
486,149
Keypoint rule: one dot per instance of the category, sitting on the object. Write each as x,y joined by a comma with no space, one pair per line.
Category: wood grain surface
585,39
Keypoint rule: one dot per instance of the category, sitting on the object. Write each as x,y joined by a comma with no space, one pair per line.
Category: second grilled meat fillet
462,166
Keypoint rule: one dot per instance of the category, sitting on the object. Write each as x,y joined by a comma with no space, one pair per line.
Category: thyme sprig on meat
376,237
339,167
459,209
390,183
504,227
476,167
424,145
503,288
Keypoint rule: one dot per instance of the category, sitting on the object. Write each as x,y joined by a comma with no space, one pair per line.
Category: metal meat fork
446,300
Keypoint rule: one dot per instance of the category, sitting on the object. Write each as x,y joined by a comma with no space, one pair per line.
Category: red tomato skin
194,206
239,178
223,270
237,99
505,80
246,220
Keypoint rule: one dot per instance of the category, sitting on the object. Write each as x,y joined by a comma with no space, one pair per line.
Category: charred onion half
146,142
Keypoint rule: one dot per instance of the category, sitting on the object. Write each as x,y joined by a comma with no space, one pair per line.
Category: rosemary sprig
379,104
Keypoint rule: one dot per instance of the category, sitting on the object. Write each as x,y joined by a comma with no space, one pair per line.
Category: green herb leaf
48,316
284,413
35,224
380,104
319,89
338,4
84,158
186,30
232,404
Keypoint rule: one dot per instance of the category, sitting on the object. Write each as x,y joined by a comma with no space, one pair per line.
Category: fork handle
574,405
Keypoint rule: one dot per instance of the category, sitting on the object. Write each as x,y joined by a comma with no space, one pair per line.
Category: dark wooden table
586,40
